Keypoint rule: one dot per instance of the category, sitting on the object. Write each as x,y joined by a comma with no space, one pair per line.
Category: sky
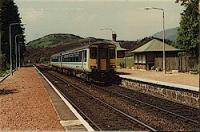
86,18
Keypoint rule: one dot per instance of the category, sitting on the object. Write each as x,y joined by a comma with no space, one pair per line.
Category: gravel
25,104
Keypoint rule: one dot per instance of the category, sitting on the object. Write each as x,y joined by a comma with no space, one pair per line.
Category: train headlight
113,66
93,67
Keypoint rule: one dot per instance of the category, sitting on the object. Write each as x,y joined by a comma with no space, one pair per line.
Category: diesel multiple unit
92,62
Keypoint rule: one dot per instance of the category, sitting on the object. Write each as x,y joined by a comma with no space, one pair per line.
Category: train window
84,55
103,53
93,53
58,58
112,53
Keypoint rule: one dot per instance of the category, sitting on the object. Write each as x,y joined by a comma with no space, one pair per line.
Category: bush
195,69
3,62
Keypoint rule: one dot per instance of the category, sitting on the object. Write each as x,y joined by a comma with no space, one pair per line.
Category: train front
102,62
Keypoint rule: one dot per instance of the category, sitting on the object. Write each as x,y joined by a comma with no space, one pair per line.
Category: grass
3,73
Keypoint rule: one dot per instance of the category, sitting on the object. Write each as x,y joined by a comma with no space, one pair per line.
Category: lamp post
19,53
10,41
17,47
163,11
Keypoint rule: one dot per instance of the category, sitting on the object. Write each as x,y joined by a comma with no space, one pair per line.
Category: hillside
52,40
170,34
41,54
41,49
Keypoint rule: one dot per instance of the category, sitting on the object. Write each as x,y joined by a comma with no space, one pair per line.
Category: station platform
176,80
28,102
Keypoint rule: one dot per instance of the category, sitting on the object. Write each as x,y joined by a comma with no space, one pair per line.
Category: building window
136,58
144,59
140,59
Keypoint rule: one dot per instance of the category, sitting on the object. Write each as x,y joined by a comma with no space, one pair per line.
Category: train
94,61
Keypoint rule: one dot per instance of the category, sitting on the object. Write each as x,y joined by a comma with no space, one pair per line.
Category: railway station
48,101
99,66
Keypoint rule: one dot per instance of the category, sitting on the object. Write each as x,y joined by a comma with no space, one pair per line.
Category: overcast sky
86,17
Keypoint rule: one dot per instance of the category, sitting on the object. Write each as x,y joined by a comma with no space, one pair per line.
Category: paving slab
173,78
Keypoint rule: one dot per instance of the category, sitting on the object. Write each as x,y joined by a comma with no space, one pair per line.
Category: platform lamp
10,41
17,49
163,11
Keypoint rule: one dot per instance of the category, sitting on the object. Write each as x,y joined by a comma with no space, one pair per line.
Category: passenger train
93,62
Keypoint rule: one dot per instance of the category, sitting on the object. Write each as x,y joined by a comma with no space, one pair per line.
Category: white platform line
86,124
70,123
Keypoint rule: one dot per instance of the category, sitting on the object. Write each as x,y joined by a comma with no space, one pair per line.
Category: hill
52,40
42,54
170,34
41,49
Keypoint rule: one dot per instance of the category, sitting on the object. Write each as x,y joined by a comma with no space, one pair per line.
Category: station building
150,56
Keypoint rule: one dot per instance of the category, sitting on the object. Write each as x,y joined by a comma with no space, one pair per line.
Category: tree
9,14
187,37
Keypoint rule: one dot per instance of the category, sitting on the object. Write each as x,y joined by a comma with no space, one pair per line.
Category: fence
183,63
187,63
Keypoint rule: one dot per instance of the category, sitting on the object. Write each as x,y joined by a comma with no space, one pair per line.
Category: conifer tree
9,14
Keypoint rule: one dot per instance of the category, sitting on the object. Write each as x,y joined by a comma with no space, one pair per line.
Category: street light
10,41
17,50
164,57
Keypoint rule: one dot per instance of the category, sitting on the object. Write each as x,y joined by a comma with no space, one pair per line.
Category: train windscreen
112,53
93,53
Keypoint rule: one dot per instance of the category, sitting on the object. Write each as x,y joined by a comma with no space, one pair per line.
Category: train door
103,58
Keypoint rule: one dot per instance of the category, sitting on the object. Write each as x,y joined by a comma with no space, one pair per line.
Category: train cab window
112,53
84,56
103,53
93,53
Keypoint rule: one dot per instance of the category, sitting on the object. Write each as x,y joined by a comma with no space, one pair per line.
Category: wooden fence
180,63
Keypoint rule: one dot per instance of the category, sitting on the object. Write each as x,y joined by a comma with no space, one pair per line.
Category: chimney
114,37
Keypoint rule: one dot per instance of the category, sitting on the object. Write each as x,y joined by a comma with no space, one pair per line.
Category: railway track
180,111
102,116
150,104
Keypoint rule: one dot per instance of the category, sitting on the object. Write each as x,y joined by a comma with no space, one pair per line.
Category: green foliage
9,14
188,31
2,61
3,66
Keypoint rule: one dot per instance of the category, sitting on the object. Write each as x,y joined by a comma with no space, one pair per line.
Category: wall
186,97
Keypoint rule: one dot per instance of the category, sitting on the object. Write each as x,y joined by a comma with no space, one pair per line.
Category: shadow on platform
7,91
123,73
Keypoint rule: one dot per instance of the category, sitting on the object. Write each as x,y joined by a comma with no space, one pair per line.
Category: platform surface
27,102
179,80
